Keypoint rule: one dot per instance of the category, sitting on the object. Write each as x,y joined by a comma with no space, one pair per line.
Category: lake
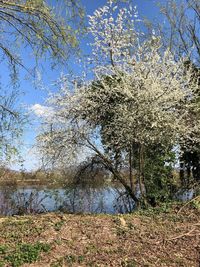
17,200
79,199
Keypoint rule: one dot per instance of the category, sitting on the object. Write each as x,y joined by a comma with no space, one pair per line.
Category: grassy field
167,238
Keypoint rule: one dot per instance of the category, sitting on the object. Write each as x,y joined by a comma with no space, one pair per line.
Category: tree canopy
38,26
183,34
138,97
37,30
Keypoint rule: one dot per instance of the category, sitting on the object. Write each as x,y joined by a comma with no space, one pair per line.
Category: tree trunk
141,175
109,165
130,170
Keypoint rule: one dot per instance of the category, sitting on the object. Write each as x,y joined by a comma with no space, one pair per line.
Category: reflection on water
185,195
78,199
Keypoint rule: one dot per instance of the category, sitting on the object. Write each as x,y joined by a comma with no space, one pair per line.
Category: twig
180,236
188,204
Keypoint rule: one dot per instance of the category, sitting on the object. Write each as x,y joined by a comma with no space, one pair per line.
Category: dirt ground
140,239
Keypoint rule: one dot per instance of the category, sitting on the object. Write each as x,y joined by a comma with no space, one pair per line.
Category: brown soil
140,239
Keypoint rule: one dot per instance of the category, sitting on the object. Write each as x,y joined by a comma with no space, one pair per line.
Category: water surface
81,198
78,199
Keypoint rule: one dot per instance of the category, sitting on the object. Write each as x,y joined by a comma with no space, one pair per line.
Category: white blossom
139,94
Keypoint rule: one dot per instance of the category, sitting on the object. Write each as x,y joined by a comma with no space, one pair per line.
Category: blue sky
33,96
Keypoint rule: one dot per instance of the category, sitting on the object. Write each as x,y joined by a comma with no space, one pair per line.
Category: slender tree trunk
182,173
130,169
109,165
141,175
118,177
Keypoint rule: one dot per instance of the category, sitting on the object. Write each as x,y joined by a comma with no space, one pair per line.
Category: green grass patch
21,253
128,263
58,225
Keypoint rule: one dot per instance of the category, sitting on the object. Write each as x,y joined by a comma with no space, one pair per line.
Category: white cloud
42,111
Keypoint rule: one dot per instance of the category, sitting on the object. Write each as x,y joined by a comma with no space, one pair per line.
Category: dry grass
140,239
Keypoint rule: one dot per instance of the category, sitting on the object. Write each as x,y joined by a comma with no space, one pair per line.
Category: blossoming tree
137,98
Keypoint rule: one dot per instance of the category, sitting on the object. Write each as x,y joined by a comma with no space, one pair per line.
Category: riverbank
149,238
